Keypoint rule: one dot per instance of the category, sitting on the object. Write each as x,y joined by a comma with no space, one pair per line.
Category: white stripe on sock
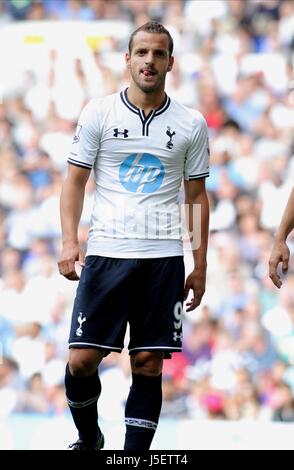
141,423
81,404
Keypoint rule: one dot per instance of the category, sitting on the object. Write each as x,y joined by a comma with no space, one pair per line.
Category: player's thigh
100,309
156,319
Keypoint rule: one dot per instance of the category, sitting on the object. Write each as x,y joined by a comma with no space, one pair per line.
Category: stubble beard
148,88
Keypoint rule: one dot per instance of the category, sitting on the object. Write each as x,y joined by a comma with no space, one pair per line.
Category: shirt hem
132,255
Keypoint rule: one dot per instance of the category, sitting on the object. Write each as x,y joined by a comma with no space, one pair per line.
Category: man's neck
145,101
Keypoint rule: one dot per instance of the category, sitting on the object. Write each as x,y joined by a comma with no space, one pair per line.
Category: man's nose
149,58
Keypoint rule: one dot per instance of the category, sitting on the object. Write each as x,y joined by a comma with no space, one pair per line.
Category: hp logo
141,173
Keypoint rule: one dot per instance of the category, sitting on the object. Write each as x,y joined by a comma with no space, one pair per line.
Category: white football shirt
138,164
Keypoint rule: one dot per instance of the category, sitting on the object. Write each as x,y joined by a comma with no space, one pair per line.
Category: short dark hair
153,27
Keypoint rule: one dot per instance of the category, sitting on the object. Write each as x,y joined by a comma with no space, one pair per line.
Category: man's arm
195,193
71,206
280,251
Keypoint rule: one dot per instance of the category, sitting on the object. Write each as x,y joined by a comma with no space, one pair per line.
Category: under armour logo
170,134
116,133
81,320
177,336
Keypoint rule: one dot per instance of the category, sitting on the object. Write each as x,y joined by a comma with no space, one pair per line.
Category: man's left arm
195,193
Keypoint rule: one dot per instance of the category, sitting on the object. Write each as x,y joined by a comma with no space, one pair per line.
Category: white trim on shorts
165,348
113,348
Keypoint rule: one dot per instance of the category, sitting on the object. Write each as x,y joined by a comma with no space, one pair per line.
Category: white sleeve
197,155
86,142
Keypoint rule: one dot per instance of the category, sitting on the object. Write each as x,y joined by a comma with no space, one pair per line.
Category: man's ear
171,63
128,60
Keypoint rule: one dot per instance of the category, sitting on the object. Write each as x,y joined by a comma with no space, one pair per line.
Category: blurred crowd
235,63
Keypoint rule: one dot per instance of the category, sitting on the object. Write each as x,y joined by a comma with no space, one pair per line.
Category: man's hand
280,254
195,281
69,255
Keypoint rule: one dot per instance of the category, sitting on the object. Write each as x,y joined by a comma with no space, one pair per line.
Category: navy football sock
142,411
82,394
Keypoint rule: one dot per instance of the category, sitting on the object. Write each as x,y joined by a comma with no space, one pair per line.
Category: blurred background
233,384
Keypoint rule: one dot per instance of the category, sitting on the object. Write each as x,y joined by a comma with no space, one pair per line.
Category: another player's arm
71,206
280,251
195,193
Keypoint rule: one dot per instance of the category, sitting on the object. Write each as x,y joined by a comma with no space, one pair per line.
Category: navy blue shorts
146,293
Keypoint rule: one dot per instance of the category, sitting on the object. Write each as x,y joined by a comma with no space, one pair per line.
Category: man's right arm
280,252
71,206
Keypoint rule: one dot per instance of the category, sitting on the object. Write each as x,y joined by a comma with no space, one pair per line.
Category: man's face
149,61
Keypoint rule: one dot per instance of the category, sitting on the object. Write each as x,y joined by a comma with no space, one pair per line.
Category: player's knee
83,362
81,368
147,363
